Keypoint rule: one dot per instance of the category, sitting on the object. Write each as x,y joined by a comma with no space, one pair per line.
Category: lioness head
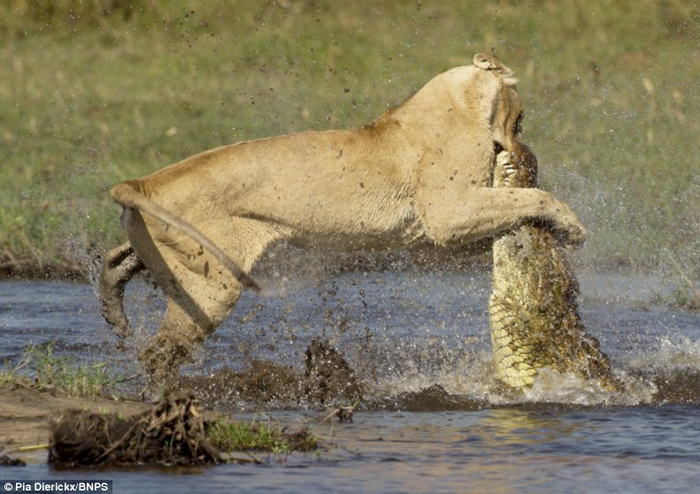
506,113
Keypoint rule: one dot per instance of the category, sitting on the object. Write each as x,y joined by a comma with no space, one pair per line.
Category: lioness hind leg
200,292
190,317
177,339
119,266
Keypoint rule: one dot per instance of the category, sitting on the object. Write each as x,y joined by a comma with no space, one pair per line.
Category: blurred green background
93,92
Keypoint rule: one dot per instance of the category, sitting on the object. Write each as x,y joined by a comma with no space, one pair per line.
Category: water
404,332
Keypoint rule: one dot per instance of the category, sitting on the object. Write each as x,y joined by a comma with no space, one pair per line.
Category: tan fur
421,172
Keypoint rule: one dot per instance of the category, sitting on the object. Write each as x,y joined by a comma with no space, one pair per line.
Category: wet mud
327,380
677,386
430,399
9,461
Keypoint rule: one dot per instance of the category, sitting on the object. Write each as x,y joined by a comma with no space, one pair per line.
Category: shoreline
25,412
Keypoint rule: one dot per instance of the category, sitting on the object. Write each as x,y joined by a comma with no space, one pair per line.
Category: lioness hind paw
163,357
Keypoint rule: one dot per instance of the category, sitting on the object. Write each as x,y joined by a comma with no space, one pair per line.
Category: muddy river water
404,333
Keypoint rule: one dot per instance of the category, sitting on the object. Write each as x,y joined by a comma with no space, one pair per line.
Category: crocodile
533,308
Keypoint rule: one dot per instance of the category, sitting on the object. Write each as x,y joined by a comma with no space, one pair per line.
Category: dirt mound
8,461
172,433
678,385
327,380
431,399
328,376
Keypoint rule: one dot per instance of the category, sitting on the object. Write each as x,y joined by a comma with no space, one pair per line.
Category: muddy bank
46,425
83,430
16,266
25,412
171,433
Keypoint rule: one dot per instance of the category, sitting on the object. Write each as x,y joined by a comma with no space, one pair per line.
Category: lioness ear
490,62
487,62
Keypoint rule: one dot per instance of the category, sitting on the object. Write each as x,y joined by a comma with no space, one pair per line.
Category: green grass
97,91
39,367
258,436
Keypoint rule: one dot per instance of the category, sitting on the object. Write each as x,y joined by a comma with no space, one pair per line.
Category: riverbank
26,410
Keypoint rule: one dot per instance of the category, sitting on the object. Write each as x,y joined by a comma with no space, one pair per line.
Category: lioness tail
128,197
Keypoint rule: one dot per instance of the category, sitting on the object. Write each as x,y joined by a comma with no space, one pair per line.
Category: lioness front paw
572,233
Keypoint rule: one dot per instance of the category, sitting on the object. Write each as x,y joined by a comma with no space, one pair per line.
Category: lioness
421,172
